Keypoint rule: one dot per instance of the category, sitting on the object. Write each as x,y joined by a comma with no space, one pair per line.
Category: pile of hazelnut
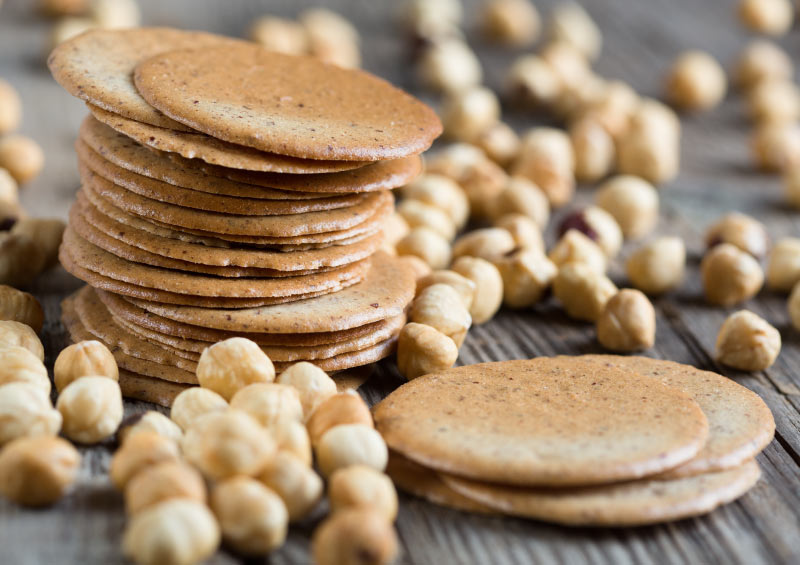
73,17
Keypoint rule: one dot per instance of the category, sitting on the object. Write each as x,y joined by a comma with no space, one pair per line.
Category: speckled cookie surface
284,104
544,422
193,145
637,503
740,423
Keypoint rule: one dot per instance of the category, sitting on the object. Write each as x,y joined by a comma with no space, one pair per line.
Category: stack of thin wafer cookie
596,440
229,191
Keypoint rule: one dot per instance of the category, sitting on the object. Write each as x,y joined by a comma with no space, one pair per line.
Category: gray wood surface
641,37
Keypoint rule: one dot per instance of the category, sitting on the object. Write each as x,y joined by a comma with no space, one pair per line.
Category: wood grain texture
641,37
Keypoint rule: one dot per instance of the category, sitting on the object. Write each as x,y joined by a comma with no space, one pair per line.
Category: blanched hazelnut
650,148
794,306
417,266
526,233
628,322
25,410
351,444
419,214
570,23
21,259
522,196
223,444
91,408
354,536
512,22
730,275
359,486
461,284
296,483
574,247
116,14
331,37
763,61
10,108
791,187
594,149
46,233
292,437
774,102
149,422
253,518
570,65
67,28
747,342
84,359
527,274
772,17
442,192
613,108
179,532
547,159
231,365
341,408
9,190
422,349
583,291
783,267
466,113
269,402
598,225
428,245
21,156
14,333
500,142
37,471
19,365
312,383
480,178
193,403
10,214
486,243
776,146
632,201
531,80
431,19
741,230
696,81
658,266
163,481
395,228
450,65
279,35
141,451
488,286
22,307
440,306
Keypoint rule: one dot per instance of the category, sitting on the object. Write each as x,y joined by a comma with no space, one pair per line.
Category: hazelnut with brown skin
741,230
730,275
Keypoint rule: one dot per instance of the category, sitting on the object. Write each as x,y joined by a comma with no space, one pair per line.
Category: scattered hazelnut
67,28
296,483
428,245
292,437
21,156
37,471
163,481
450,65
116,14
150,422
395,228
359,486
741,230
658,266
488,286
573,101
569,64
279,35
14,333
547,159
522,196
419,214
596,224
331,37
46,233
341,408
84,359
141,451
354,536
467,113
774,102
9,189
231,365
21,259
313,384
419,267
480,178
55,8
91,408
763,61
747,342
269,402
574,247
350,444
10,214
432,19
25,410
696,81
783,267
613,108
532,81
570,23
422,349
10,108
193,403
794,306
730,275
440,307
512,22
772,17
593,147
527,274
628,322
526,232
486,243
791,186
650,148
19,365
442,192
583,291
632,201
500,143
21,307
461,284
776,146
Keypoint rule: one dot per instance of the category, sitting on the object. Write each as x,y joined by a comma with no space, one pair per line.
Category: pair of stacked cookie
230,191
594,440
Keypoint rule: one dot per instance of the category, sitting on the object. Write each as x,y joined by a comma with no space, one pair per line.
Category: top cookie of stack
228,190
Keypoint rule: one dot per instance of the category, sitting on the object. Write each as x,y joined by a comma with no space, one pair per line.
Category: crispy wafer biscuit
636,503
545,421
285,104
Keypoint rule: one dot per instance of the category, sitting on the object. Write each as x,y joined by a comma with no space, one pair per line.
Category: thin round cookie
543,422
285,104
637,503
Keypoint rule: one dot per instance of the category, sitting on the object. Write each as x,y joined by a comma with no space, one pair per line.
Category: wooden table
641,37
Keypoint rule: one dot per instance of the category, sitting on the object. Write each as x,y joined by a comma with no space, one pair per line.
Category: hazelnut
613,108
21,156
511,22
650,148
500,143
794,306
178,531
150,421
776,146
253,518
573,101
658,266
341,408
422,349
569,64
730,275
9,190
83,359
628,322
46,233
632,201
163,481
428,245
417,266
521,196
574,247
747,342
19,365
480,178
116,14
696,81
141,451
296,483
594,150
431,19
596,224
67,28
279,35
10,108
461,284
292,437
741,230
25,410
350,444
223,444
570,23
419,214
395,228
442,192
231,365
91,408
359,486
547,159
440,307
532,81
486,243
331,37
21,307
193,403
37,471
774,102
354,536
10,214
449,65
467,113
783,267
791,187
21,259
269,402
488,286
583,291
763,61
527,274
772,17
17,334
526,232
313,384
